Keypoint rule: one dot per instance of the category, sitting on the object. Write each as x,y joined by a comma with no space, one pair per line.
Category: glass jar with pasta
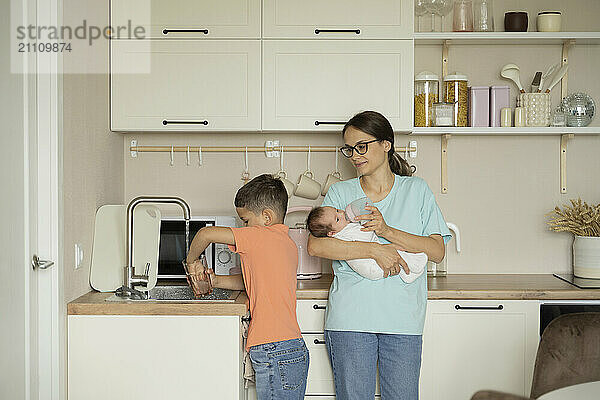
456,92
426,93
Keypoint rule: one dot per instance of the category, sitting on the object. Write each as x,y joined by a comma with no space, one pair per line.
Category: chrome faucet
130,278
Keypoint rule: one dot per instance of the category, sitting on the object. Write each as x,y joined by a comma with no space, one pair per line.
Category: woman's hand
375,221
388,259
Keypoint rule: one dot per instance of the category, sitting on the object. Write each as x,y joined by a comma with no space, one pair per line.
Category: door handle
36,263
317,31
459,307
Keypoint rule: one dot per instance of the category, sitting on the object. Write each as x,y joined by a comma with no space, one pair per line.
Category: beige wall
93,156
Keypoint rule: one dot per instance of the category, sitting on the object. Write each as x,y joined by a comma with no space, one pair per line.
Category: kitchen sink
182,294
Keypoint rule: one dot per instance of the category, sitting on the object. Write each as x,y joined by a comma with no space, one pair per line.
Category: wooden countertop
457,286
93,303
478,287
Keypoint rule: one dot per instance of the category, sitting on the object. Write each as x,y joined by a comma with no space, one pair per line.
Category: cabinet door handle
317,31
167,31
317,123
493,308
167,122
318,307
317,341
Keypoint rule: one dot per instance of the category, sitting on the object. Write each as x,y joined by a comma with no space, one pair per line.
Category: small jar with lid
442,114
426,93
456,92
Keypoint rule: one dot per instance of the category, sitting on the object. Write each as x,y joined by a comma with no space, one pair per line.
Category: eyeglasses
361,148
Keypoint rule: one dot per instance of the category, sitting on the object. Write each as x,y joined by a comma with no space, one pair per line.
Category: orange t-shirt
269,265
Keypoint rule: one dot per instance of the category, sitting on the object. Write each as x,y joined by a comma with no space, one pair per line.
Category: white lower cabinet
154,357
185,85
476,345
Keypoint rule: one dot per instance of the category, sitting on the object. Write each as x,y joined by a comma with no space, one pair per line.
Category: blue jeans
354,357
280,369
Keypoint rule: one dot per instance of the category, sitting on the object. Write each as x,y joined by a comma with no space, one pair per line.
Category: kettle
309,267
441,269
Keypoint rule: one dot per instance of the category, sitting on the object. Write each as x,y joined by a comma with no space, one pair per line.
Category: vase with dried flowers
583,221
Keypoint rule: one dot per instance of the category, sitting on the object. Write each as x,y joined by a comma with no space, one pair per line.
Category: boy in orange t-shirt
269,264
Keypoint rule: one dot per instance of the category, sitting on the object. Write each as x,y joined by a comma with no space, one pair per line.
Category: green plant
580,219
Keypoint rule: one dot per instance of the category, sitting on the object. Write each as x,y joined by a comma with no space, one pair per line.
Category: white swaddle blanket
367,267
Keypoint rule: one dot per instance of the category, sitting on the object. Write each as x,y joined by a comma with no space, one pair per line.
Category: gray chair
568,354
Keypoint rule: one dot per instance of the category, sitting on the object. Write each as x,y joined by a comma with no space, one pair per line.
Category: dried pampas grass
580,219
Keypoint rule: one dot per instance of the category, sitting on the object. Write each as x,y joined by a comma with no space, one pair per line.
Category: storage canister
426,93
443,114
479,106
549,21
456,92
499,99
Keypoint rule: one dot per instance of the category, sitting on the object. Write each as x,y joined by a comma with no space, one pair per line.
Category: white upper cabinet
320,84
185,85
346,19
188,18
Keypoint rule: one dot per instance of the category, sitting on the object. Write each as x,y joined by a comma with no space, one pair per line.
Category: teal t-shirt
388,305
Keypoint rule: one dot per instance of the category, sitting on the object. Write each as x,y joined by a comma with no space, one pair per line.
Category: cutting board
109,252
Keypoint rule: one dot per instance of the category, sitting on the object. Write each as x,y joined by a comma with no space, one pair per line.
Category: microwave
172,247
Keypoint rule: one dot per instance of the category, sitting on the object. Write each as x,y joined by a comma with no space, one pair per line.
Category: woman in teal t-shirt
379,321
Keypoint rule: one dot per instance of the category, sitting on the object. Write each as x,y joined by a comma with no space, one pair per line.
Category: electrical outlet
78,255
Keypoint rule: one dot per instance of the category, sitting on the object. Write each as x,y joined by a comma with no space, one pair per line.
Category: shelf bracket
445,45
563,161
564,87
444,172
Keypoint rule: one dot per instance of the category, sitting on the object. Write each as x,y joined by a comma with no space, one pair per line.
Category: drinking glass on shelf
463,16
420,10
445,8
484,16
433,6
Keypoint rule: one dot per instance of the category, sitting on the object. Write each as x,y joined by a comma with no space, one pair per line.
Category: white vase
586,257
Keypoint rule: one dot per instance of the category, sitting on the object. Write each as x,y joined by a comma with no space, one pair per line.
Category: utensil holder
537,108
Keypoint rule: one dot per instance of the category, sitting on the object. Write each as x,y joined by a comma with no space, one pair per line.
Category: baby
327,221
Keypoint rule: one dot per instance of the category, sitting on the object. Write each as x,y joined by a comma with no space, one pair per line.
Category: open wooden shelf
506,37
513,131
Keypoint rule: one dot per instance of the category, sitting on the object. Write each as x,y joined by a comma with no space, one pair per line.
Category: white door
473,345
190,85
339,19
30,308
321,84
189,18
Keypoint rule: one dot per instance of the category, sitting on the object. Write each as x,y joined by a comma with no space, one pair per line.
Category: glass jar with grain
456,92
426,93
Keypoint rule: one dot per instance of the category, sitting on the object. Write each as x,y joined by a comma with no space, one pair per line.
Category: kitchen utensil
579,108
441,269
307,187
545,76
309,267
484,16
549,21
282,175
463,16
537,108
535,84
479,106
109,253
333,177
557,77
356,208
499,99
512,72
516,21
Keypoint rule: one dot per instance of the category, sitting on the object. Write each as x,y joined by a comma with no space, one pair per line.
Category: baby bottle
356,208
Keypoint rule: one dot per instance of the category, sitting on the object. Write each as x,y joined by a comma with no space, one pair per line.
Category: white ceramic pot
586,257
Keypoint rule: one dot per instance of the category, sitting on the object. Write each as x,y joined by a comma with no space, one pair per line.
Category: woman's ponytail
398,165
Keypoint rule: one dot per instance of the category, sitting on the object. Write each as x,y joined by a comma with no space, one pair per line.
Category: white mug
289,185
307,187
331,179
